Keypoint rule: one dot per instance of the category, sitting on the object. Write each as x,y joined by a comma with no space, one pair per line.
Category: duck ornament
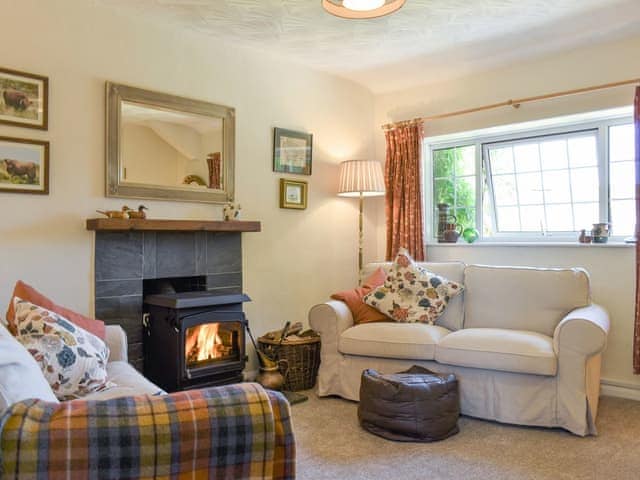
125,213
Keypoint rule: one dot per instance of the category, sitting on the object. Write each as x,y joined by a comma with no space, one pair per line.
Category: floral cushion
411,293
73,361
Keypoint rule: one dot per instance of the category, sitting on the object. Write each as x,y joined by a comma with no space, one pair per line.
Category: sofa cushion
453,316
363,313
73,360
411,293
508,350
129,382
20,375
522,298
30,294
415,341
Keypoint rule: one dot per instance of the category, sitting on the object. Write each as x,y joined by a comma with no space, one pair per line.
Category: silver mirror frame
115,95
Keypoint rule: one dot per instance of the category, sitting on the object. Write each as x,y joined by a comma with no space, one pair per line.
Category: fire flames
204,343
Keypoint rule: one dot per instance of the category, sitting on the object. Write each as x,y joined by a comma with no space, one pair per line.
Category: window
547,183
539,183
454,182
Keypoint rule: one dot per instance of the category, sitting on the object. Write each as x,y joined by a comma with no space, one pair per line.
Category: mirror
160,146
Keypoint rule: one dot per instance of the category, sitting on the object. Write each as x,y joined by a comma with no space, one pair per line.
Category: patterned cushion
411,293
73,360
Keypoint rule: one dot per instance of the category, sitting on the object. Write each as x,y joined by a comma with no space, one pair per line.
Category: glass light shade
361,9
363,5
361,176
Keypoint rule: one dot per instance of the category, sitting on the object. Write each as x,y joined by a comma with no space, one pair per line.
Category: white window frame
563,125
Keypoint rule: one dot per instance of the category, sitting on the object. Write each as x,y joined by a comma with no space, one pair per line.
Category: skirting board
615,388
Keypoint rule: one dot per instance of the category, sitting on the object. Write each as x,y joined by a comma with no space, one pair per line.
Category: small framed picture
24,166
293,194
292,151
24,99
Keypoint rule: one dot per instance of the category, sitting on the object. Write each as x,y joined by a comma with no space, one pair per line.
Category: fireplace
194,339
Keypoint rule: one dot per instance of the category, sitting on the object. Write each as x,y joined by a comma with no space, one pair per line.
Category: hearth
194,339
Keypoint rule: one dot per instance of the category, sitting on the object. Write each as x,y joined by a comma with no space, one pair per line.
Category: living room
292,65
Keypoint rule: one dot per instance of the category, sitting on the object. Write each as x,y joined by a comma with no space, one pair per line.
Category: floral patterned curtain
403,190
636,335
213,162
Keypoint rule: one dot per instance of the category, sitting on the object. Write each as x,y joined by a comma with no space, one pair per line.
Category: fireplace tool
270,375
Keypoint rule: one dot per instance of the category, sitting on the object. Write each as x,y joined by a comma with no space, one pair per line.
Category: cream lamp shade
361,177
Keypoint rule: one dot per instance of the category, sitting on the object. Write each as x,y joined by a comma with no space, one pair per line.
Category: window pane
622,179
583,151
442,163
530,189
585,184
508,219
465,160
559,218
443,191
501,160
466,217
621,143
504,187
465,191
532,218
623,217
527,158
556,186
553,154
585,214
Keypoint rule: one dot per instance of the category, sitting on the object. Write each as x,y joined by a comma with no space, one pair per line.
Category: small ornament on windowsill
231,211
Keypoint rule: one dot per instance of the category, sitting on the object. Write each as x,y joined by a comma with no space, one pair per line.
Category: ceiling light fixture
361,9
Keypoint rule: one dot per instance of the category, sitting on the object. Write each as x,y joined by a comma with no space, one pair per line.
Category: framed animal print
24,166
292,151
24,99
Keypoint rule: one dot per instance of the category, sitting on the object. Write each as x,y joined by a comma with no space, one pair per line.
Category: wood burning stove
194,339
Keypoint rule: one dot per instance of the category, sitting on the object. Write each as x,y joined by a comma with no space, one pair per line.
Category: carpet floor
331,445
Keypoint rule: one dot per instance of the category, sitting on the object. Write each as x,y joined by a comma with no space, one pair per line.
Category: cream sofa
525,343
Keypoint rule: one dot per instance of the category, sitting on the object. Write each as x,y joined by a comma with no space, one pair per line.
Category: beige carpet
331,445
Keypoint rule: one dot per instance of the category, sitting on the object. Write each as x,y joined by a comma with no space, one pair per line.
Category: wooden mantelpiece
116,224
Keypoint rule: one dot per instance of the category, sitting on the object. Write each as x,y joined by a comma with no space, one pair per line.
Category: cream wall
298,258
612,269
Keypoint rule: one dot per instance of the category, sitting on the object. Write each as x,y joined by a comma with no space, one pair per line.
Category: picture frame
24,101
292,151
24,166
293,194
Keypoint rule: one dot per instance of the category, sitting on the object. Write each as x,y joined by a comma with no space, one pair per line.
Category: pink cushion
363,313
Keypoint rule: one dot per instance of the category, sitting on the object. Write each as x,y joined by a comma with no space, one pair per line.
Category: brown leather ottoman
417,405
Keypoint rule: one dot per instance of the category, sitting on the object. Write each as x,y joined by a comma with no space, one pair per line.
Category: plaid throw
231,432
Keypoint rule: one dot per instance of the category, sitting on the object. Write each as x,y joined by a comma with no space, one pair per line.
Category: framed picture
293,194
292,151
24,166
24,99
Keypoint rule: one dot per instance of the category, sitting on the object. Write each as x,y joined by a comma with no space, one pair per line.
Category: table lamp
361,178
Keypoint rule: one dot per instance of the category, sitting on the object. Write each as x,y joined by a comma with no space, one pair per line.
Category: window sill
611,244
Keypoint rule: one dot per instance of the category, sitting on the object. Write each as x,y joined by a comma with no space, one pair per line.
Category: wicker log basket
302,355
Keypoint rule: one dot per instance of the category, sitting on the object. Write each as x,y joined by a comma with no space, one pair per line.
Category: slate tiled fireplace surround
124,259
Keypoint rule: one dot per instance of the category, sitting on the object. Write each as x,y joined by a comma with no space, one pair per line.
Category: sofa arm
116,340
330,319
583,331
232,431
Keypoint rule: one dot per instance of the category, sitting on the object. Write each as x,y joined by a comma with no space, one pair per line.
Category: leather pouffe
416,405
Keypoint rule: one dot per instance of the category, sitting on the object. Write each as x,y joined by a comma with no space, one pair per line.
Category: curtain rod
515,103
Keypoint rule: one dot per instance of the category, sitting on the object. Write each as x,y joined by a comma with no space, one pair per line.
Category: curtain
636,332
403,197
213,162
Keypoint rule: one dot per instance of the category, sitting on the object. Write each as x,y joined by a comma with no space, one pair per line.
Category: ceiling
426,41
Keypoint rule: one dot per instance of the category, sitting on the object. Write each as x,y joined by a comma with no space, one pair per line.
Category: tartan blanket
231,432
